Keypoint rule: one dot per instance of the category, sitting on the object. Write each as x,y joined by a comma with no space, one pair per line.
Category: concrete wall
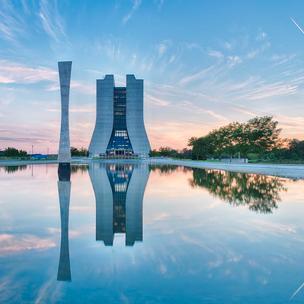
135,116
64,153
104,115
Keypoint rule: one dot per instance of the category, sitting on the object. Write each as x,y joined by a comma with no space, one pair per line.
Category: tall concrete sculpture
119,191
64,192
64,153
119,130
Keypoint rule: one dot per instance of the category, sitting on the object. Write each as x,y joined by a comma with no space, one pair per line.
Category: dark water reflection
64,192
132,233
12,169
119,191
260,193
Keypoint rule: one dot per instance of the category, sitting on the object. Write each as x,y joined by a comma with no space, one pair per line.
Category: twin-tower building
119,129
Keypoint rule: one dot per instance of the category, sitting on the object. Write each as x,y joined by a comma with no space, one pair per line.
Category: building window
119,143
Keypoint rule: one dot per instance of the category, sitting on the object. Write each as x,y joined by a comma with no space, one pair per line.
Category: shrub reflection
259,192
167,169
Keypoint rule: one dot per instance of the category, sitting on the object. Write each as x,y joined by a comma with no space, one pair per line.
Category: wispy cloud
162,48
135,5
216,54
110,47
281,59
198,109
79,109
297,25
271,90
16,73
233,60
228,45
156,101
11,72
261,36
12,26
254,53
197,75
213,71
51,20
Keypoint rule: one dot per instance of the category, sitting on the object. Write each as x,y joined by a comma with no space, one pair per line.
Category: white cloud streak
15,73
11,24
136,4
51,21
11,72
296,24
216,54
298,290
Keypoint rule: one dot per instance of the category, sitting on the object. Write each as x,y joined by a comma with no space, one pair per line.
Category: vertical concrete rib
135,116
104,203
64,191
104,115
134,204
64,154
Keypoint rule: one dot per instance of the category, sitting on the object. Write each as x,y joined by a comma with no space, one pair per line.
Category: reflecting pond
133,233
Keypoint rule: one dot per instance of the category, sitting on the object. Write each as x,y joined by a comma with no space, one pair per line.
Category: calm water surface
131,233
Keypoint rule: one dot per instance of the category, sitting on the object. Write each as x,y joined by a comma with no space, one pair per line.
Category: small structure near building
234,160
39,156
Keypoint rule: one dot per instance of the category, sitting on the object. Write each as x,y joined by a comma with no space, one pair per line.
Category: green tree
203,147
259,135
13,152
79,152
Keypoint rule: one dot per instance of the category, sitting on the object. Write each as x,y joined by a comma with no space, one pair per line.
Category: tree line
257,139
11,152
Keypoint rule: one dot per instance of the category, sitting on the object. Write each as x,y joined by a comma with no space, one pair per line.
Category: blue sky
205,64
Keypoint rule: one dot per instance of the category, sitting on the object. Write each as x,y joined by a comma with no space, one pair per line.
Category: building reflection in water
119,191
64,191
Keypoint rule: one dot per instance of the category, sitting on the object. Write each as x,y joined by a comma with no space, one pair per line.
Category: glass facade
119,143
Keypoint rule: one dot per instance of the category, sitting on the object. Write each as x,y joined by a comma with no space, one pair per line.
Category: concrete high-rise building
119,130
119,191
64,153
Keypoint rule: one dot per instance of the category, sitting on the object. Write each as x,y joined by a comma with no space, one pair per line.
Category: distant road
288,171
